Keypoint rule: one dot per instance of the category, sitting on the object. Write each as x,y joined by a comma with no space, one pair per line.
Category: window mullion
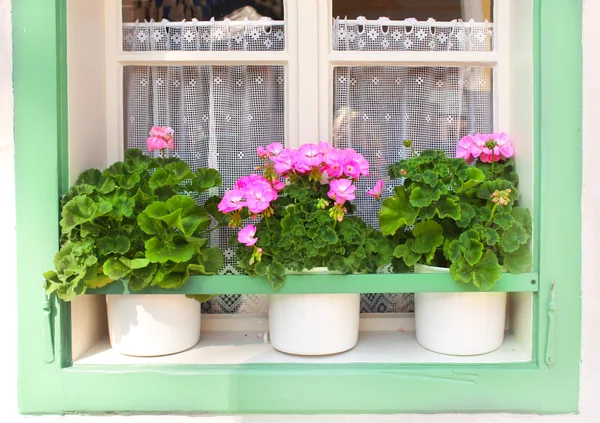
307,35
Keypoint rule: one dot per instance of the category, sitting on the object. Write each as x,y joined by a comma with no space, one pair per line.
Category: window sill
239,339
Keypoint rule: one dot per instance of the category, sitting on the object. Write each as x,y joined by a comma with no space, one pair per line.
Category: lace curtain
220,114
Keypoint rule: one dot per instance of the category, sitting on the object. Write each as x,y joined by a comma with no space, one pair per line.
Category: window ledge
238,339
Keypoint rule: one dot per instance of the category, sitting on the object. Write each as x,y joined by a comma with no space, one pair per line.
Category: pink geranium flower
155,143
232,200
274,149
463,149
278,185
504,144
261,152
352,169
161,137
246,235
341,190
284,162
259,194
376,190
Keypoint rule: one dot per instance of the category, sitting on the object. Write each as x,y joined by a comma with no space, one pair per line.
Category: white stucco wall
590,376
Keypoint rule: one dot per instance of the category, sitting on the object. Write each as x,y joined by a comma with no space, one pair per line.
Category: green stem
489,222
493,177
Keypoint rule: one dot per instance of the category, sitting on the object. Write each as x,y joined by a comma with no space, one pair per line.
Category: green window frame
549,383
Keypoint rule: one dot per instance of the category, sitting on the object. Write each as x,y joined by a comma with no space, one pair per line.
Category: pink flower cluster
252,191
486,147
321,161
161,137
320,157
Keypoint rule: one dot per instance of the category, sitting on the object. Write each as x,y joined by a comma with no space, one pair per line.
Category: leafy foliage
300,235
135,220
450,214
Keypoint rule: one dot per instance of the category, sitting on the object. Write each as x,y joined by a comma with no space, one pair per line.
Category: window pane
412,25
207,25
421,10
220,114
376,108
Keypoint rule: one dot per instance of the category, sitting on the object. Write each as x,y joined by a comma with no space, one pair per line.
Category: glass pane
202,10
421,10
411,25
202,25
376,108
220,114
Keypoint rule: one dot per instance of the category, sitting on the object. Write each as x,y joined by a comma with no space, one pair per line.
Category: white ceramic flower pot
314,324
459,323
151,325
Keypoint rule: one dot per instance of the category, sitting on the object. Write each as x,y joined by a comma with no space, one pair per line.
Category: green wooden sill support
330,284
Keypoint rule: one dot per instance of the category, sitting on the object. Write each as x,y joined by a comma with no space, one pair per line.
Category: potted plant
303,201
136,222
451,215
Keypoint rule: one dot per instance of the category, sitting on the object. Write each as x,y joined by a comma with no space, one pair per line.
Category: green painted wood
559,102
328,284
39,131
384,388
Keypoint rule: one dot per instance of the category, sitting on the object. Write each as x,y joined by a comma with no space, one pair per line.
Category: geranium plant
303,199
451,212
136,221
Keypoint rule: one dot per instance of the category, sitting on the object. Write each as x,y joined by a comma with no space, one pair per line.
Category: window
314,75
310,77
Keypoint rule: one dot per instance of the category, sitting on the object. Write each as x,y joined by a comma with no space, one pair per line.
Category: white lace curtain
220,114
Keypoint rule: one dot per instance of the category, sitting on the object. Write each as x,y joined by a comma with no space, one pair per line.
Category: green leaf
158,179
448,207
147,224
136,263
162,250
395,212
406,252
518,261
453,251
123,206
487,271
470,246
141,277
206,179
211,259
115,269
483,275
98,282
476,177
428,236
136,161
504,220
339,263
430,178
513,238
113,244
193,217
328,235
523,216
490,235
424,195
178,171
467,213
79,210
275,275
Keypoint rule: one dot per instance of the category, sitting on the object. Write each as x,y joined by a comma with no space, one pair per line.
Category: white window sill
239,339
